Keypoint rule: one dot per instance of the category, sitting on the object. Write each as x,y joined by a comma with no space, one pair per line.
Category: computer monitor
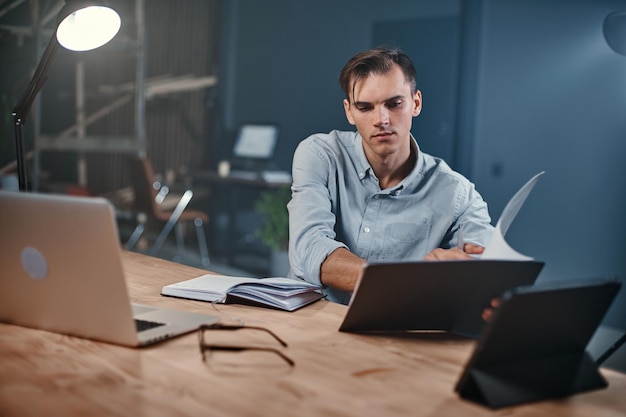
255,141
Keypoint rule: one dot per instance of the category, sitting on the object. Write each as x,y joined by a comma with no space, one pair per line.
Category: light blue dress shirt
337,202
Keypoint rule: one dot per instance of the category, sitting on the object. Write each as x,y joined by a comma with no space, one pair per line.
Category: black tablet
534,346
432,295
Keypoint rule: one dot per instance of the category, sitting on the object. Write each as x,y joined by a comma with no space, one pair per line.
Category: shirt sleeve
473,217
311,217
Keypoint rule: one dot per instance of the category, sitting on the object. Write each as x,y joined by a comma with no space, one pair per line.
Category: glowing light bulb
88,28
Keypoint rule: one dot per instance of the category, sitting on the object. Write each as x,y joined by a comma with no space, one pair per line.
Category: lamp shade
86,25
614,29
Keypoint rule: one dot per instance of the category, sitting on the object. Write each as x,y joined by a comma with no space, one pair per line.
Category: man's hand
488,311
451,254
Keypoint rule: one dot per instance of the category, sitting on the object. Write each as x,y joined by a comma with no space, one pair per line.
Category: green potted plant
275,230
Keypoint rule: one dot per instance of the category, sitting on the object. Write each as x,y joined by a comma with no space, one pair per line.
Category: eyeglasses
232,348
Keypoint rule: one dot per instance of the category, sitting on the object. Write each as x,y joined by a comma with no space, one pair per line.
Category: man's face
382,109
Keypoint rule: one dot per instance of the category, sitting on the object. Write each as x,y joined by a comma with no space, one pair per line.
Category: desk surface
336,374
241,178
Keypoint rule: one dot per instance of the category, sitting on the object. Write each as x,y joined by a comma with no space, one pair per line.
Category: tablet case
432,295
534,346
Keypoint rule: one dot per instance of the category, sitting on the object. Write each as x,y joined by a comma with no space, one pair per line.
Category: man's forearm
341,269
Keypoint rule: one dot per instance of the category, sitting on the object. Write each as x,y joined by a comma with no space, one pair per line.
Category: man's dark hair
375,61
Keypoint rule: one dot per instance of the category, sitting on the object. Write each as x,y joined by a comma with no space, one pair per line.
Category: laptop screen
255,141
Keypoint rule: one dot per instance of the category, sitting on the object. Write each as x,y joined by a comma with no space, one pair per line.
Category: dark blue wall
549,95
281,60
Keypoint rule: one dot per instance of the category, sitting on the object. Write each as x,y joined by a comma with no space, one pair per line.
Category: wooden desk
336,374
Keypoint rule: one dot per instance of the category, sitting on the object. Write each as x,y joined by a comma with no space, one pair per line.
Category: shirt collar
364,169
363,166
419,163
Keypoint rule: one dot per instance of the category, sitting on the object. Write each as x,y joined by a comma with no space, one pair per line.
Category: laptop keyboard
143,325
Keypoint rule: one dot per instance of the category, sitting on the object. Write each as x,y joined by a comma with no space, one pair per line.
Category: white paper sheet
498,248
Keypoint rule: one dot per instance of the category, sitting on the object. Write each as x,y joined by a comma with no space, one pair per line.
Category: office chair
149,196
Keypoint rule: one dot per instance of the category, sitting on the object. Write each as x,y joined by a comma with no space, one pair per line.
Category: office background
511,88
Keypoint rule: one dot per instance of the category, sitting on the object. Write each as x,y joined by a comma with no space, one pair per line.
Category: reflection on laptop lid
254,146
437,295
61,271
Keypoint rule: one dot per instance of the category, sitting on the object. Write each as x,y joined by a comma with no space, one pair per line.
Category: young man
373,195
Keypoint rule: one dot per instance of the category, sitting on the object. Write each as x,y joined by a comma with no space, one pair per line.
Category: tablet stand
529,381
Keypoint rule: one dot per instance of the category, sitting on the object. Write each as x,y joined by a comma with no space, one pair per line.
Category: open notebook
277,292
62,272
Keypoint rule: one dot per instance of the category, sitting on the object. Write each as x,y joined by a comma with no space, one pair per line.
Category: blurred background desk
335,374
233,231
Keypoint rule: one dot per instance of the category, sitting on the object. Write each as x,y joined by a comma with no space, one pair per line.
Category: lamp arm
36,83
23,107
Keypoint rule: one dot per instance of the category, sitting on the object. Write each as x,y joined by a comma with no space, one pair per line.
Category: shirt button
366,229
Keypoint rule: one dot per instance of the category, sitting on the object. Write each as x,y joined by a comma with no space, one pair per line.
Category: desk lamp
614,30
81,26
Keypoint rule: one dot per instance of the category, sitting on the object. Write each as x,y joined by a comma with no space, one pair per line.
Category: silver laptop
61,271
